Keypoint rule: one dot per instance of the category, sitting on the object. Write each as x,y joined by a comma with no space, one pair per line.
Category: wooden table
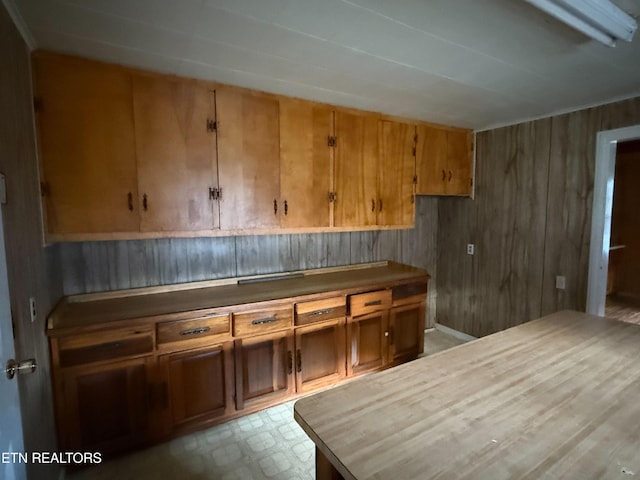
558,397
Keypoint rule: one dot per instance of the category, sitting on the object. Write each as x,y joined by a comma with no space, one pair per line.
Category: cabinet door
105,407
431,160
406,332
304,163
248,159
367,338
356,172
460,162
396,170
264,369
199,383
176,154
320,355
87,145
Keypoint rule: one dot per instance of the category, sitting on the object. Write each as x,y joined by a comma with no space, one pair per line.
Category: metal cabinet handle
195,331
298,360
322,312
372,303
130,201
262,321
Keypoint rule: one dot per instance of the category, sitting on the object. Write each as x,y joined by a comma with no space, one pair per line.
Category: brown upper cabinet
176,154
396,173
305,163
133,154
444,161
356,169
248,159
87,146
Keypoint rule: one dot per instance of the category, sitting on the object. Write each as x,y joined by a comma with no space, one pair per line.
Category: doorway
602,211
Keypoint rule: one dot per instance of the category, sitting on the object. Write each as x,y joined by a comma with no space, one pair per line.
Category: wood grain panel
87,145
568,226
175,153
356,158
305,163
500,285
396,169
33,270
248,158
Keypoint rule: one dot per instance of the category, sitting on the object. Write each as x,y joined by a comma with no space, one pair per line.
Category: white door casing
601,214
11,439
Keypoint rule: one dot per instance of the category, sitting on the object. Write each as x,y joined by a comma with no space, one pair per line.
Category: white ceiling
468,63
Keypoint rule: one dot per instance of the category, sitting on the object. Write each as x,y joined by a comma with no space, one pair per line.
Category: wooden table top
69,315
558,397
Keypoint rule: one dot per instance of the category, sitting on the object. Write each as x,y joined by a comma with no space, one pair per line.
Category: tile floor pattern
264,445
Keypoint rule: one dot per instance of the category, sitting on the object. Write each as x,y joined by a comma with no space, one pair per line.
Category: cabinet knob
386,334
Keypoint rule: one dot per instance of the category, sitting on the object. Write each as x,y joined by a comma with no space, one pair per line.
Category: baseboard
455,333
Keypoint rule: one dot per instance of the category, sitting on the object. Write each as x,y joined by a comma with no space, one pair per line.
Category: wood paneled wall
101,266
33,270
530,221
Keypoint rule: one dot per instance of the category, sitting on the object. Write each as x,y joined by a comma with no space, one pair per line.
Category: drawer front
84,349
319,310
365,303
180,330
263,321
409,290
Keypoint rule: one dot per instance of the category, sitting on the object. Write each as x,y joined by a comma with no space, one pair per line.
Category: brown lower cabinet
137,381
105,406
320,355
406,332
264,369
196,386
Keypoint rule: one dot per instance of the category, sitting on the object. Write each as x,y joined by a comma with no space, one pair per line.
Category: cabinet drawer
255,323
83,349
318,310
408,290
364,303
181,330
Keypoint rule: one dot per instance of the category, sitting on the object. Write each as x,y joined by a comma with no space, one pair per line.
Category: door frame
606,144
16,470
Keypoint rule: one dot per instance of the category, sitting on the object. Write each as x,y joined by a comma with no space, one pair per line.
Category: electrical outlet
32,309
561,282
471,249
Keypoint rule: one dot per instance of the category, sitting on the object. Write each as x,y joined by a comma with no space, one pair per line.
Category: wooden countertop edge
346,474
58,313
